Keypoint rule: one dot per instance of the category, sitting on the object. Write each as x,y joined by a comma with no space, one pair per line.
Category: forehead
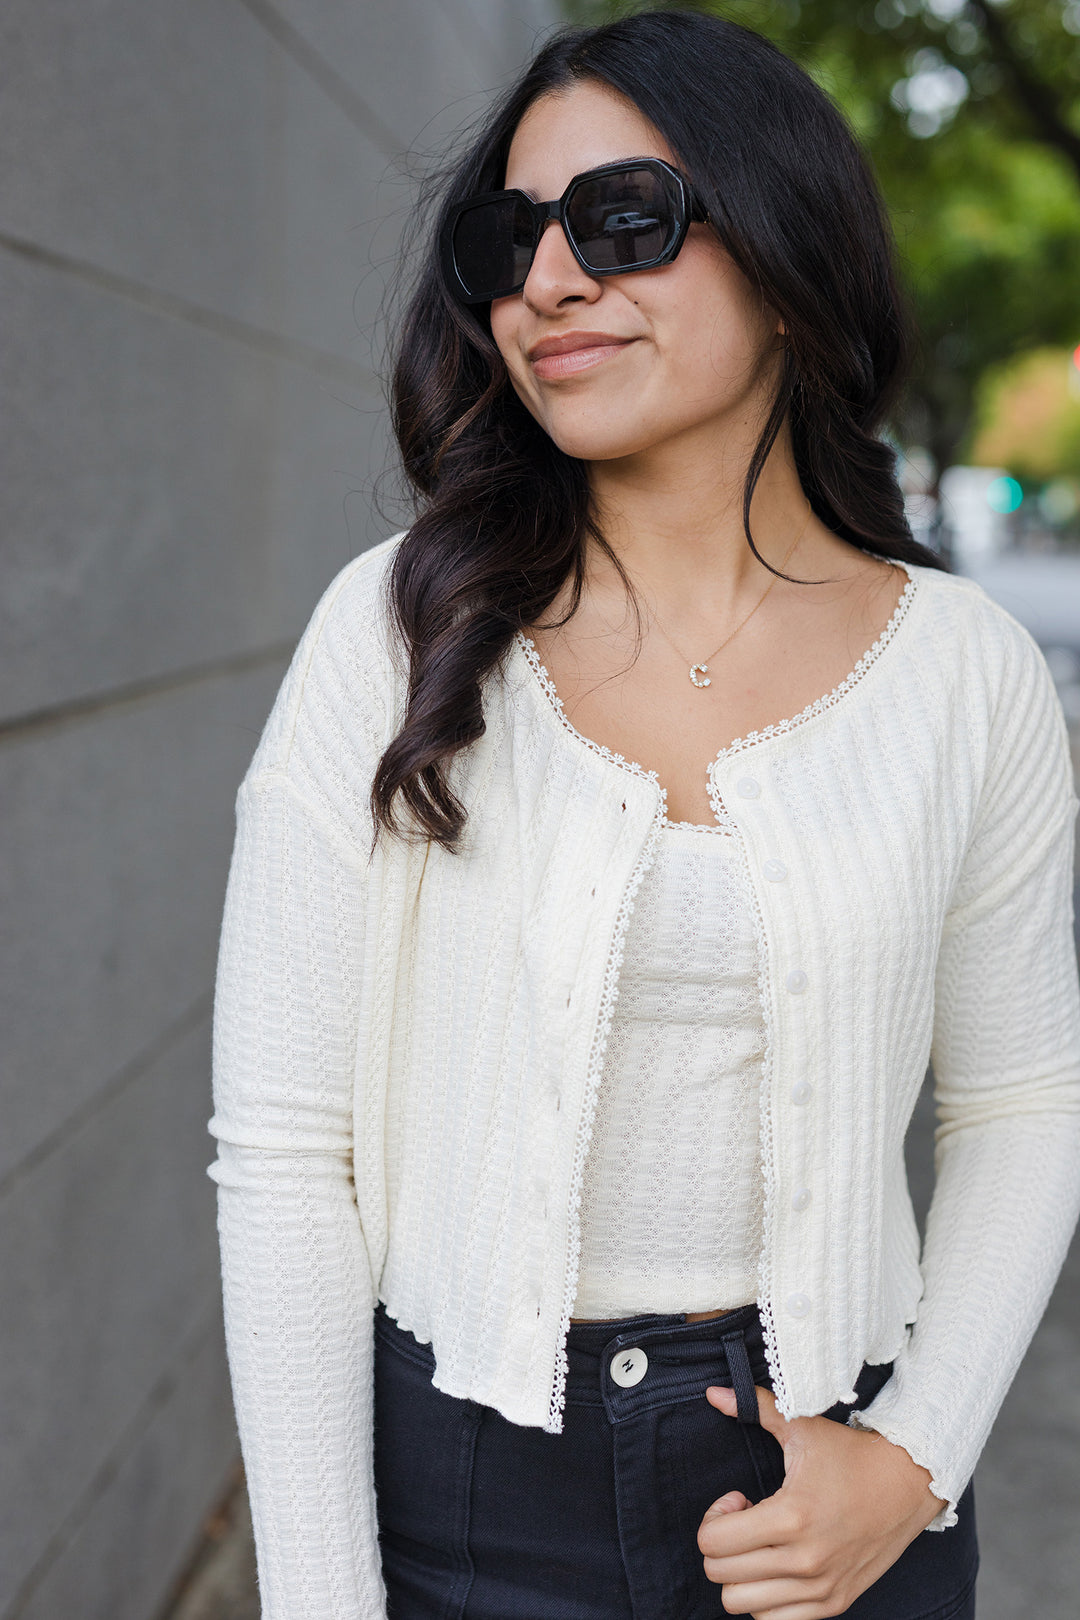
568,131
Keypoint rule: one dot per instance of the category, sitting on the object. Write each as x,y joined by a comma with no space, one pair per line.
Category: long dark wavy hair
503,514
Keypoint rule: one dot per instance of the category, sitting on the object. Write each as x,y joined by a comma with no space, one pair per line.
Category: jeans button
629,1367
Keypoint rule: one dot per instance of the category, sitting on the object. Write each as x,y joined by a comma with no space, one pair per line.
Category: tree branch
1038,100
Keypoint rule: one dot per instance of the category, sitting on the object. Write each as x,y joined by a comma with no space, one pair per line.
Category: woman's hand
850,1503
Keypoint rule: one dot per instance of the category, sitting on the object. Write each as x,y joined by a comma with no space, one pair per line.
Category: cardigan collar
535,677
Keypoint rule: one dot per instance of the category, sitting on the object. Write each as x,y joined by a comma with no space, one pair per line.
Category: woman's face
649,357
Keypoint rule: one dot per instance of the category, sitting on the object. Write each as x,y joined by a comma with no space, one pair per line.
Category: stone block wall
199,204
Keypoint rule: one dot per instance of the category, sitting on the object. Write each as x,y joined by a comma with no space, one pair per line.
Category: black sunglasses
619,217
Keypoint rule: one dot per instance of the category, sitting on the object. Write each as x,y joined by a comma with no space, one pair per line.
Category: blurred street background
201,203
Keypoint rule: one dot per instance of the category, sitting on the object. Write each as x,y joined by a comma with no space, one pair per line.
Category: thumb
723,1398
769,1415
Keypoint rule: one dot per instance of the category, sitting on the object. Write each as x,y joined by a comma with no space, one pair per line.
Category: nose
555,278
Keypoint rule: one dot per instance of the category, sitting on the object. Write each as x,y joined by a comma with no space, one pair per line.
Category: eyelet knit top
672,1194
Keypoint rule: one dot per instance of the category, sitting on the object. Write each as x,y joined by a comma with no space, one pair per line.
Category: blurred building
199,210
975,511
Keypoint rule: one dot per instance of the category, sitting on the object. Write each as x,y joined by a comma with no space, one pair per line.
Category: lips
574,352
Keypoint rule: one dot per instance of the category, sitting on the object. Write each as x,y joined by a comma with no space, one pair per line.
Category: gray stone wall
199,203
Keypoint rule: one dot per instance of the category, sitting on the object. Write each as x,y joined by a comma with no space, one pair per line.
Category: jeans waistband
641,1362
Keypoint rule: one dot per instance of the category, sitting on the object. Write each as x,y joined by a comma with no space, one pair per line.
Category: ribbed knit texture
672,1196
407,1049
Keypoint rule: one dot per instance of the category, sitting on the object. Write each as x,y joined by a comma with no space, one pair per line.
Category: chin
600,439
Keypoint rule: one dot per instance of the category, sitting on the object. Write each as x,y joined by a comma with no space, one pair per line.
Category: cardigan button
747,788
775,871
797,1304
801,1092
797,981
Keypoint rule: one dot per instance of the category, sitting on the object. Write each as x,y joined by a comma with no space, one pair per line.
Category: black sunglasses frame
686,207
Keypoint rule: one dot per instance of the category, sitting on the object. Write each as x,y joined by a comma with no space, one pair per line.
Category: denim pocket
766,1452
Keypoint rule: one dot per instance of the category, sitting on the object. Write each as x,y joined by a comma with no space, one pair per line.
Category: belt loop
742,1379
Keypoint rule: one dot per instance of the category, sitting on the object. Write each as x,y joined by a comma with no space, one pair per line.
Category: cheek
716,323
505,319
717,352
505,330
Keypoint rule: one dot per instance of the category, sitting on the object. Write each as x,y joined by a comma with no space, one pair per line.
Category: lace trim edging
611,985
608,996
764,1300
739,744
528,647
829,699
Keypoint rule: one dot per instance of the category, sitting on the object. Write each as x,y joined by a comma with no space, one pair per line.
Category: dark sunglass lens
493,246
621,220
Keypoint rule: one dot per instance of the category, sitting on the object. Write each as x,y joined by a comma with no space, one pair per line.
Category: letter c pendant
699,669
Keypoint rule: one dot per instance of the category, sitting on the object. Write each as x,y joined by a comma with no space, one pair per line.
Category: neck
673,515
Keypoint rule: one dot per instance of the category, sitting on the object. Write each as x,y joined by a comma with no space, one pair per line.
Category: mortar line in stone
329,80
173,307
160,1391
472,40
72,710
199,1011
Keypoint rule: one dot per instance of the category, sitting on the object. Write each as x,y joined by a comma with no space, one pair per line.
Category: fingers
731,1502
761,1597
763,1564
734,1604
725,1533
764,1527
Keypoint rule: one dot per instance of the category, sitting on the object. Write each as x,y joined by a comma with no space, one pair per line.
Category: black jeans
482,1519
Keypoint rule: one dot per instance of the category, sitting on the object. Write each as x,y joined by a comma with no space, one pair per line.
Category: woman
623,840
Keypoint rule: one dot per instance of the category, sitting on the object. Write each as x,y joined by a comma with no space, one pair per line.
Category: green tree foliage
970,111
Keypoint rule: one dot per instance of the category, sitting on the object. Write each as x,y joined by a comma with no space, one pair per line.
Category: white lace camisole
672,1199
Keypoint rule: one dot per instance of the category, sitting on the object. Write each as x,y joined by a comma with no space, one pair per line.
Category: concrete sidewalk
220,1584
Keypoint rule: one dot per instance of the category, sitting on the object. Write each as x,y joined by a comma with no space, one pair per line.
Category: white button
800,1199
801,1092
797,1304
775,871
747,788
629,1367
797,981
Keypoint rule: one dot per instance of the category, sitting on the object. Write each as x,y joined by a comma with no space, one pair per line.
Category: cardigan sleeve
298,1289
1006,1066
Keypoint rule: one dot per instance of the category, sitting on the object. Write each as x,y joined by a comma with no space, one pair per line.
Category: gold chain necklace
699,675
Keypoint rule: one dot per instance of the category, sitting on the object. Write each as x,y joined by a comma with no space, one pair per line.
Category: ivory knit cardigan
407,1048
